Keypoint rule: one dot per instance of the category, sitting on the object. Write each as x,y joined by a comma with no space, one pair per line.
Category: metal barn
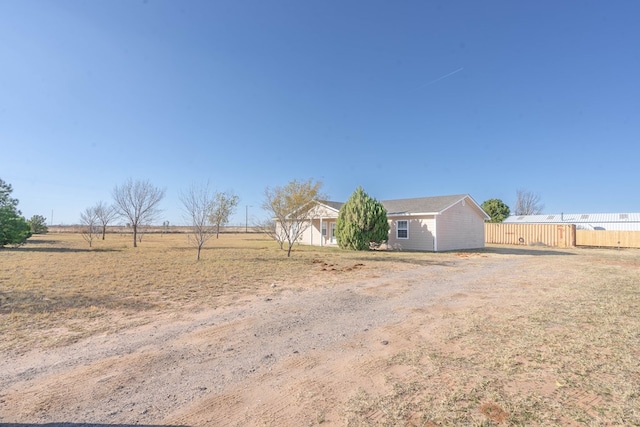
586,221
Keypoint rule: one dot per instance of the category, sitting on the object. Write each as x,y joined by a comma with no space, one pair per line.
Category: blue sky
405,98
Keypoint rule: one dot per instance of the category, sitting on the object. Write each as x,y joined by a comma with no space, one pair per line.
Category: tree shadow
42,242
35,302
58,250
53,246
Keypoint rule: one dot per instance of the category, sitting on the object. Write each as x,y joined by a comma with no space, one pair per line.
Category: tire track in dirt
322,381
289,359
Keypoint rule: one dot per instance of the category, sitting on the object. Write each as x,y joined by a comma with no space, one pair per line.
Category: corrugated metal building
588,221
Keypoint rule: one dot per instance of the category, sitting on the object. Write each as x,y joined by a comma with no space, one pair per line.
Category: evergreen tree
38,224
362,222
14,229
5,195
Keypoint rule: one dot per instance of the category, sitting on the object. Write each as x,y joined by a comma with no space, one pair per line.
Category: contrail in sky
443,77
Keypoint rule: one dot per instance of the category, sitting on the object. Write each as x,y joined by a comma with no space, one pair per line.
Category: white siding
460,227
307,239
421,231
313,234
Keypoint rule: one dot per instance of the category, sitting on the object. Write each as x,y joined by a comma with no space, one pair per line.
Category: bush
14,229
38,224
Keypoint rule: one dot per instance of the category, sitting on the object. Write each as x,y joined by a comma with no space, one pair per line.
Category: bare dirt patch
502,336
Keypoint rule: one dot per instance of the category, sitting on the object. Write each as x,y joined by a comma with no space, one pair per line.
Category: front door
333,233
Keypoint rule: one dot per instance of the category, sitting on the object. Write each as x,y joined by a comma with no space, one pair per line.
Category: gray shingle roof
421,204
334,205
418,205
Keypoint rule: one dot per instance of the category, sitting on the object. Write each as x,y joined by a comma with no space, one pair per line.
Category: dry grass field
56,282
500,336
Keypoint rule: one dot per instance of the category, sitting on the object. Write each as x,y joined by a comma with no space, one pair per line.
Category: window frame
405,229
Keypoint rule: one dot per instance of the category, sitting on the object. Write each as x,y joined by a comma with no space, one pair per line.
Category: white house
441,223
588,221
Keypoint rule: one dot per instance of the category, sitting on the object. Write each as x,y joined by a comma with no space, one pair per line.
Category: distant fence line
558,235
155,229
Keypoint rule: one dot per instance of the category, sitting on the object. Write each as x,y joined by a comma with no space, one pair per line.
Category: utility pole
246,218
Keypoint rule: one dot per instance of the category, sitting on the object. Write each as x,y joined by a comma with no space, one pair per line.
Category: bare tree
137,201
106,214
528,203
197,201
90,229
223,206
142,229
292,208
271,229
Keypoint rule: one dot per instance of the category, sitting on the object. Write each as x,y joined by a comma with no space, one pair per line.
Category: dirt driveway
284,357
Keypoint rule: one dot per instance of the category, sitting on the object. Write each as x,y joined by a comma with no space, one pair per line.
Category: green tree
38,224
14,229
497,210
362,222
5,195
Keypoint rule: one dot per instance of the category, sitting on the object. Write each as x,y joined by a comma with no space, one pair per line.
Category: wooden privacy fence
559,235
606,238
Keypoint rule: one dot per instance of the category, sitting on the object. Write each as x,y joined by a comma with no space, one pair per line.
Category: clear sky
405,98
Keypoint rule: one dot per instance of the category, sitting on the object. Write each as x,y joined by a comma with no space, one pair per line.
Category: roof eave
327,206
412,213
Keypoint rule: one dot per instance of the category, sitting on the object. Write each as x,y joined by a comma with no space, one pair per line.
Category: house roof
586,218
422,205
333,205
418,205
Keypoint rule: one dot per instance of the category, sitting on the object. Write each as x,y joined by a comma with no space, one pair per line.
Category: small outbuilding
441,223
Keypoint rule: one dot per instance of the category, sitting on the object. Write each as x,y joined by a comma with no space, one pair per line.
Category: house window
402,229
324,228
